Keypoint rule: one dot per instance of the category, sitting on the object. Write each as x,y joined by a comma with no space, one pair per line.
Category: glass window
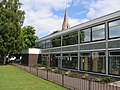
98,62
93,61
70,61
114,29
114,62
39,45
43,44
45,60
85,35
56,42
85,63
98,32
70,38
47,42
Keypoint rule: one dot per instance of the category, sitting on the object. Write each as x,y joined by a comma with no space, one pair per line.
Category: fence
69,82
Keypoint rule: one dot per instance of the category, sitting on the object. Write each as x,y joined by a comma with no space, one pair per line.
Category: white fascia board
84,25
32,51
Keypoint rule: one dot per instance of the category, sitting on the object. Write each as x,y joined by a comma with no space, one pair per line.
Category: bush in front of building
68,73
107,79
99,79
48,68
37,65
85,76
56,70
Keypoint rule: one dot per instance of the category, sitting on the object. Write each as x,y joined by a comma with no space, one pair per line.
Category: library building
92,46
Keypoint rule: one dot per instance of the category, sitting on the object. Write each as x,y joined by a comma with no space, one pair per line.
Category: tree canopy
29,37
11,21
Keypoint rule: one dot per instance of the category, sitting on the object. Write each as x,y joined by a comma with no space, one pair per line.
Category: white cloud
40,15
99,8
74,22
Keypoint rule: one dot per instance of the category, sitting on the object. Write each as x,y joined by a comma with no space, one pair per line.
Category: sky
46,16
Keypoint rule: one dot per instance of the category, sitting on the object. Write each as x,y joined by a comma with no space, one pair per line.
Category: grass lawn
12,78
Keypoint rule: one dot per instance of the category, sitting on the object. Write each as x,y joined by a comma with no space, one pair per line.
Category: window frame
67,36
90,53
118,50
109,29
55,39
90,35
104,32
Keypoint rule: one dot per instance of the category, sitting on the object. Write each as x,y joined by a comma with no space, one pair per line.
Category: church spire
65,24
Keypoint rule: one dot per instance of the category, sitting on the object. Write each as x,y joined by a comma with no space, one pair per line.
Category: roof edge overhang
31,51
83,25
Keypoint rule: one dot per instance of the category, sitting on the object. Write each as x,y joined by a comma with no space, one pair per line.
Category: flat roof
83,25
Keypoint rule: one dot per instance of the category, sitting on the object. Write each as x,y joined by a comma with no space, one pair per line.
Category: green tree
11,20
29,37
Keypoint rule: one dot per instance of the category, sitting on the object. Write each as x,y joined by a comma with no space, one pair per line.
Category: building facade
30,57
93,46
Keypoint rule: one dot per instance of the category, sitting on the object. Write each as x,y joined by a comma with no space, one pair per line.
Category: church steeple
65,24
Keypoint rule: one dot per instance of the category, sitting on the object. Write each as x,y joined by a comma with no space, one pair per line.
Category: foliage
38,65
74,74
107,79
70,38
29,36
47,68
99,79
68,73
71,74
11,20
85,76
56,70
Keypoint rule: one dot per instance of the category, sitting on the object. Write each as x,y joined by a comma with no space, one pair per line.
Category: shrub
74,74
47,68
53,70
85,76
107,79
62,72
71,74
99,79
37,65
56,70
68,73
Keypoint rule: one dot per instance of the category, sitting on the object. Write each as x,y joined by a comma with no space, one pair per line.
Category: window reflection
85,35
47,43
44,44
114,29
45,59
98,32
70,38
86,63
114,62
56,42
70,61
93,61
